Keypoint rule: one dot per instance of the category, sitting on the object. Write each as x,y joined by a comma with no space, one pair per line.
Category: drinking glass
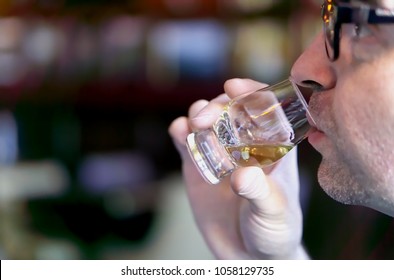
254,129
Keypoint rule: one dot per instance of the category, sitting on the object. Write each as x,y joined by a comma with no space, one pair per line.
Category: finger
196,107
207,116
178,130
252,184
236,87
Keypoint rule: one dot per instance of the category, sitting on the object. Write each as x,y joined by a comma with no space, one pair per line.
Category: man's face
353,108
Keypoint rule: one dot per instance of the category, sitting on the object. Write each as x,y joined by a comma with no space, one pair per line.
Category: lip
315,136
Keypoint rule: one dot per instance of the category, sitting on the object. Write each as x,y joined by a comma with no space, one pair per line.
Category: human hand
252,213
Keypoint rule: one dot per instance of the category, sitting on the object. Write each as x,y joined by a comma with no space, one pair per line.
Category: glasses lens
329,19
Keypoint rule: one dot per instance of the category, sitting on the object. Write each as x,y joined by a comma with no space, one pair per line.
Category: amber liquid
262,155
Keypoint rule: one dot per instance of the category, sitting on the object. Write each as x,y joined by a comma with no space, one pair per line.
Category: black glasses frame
335,13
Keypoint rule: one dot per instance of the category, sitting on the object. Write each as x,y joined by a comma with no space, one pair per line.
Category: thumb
252,184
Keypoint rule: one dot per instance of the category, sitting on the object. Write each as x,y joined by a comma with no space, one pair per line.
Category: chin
340,184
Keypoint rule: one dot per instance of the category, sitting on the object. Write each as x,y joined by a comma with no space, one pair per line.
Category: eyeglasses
335,13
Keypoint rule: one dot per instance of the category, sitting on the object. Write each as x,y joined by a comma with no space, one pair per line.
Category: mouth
316,132
314,135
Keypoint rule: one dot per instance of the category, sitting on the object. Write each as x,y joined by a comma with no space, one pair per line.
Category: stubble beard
341,184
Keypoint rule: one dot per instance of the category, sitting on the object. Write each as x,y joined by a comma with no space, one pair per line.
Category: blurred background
87,91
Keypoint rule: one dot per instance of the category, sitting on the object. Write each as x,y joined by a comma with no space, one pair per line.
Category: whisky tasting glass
254,129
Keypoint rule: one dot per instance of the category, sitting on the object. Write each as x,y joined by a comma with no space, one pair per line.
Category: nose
313,66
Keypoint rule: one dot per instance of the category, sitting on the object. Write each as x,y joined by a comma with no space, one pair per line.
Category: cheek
364,114
364,99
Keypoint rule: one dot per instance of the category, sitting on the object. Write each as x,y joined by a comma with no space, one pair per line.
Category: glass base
209,156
